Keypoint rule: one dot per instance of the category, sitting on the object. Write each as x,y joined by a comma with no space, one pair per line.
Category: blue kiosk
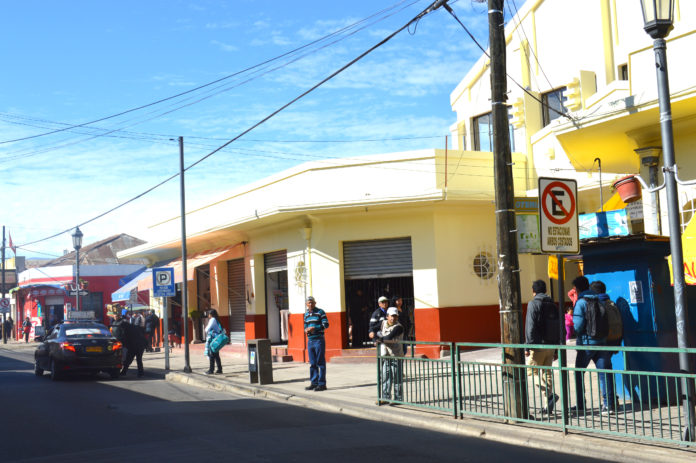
635,272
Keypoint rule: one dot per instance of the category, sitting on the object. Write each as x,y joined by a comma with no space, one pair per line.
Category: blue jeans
317,361
392,375
602,361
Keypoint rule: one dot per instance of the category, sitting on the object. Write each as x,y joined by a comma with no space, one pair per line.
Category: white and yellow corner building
422,223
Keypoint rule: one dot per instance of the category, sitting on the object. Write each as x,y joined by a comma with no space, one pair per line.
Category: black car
79,347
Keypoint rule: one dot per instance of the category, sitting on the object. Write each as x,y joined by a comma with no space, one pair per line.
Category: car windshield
87,332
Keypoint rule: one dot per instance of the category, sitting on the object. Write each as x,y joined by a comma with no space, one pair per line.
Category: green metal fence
425,383
640,402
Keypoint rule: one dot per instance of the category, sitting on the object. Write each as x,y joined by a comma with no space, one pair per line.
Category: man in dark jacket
601,359
133,339
535,333
378,316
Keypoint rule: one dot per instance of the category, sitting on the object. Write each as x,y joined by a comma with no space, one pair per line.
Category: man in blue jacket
315,322
601,359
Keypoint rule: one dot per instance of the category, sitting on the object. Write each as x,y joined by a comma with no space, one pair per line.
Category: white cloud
224,46
222,25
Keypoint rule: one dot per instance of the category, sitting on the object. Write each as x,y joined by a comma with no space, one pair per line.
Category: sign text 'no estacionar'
558,216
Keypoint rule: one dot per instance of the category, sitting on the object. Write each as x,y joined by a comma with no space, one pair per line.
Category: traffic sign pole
558,216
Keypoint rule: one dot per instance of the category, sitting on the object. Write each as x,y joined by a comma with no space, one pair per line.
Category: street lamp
77,244
659,16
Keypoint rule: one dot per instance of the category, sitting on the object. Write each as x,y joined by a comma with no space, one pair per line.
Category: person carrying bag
215,339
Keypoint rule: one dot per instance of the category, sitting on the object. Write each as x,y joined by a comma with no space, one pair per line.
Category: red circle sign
567,213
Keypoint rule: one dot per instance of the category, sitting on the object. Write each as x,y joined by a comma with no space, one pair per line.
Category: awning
122,281
40,285
689,253
124,292
613,204
192,261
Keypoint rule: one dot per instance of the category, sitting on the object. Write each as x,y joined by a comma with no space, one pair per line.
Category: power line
423,13
485,52
521,27
162,100
160,137
214,91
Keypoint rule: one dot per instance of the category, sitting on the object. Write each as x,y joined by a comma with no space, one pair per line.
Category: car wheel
114,373
38,371
55,375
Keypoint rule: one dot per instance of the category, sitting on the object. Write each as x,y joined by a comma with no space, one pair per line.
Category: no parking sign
558,216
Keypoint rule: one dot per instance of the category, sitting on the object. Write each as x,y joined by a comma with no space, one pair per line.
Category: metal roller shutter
377,259
276,261
236,298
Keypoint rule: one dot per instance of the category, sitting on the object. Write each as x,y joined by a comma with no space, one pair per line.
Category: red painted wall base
335,336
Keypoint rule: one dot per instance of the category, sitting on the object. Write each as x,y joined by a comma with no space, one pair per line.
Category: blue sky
68,63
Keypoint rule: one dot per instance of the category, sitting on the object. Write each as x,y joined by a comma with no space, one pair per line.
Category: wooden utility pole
514,378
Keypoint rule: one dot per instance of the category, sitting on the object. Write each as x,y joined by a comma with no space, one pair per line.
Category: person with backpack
542,327
591,328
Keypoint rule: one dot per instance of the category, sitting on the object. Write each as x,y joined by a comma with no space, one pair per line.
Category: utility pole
184,282
514,378
4,335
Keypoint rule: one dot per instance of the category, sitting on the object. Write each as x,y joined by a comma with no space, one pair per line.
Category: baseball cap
393,311
382,299
311,298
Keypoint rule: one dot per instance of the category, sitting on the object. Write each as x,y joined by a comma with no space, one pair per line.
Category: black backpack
550,322
596,318
615,332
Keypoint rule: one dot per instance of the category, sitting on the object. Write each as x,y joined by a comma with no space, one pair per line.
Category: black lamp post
77,244
659,17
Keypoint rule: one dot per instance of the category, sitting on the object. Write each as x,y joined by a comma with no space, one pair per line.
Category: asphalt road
98,419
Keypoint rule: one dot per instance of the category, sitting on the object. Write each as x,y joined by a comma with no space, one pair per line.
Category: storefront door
277,307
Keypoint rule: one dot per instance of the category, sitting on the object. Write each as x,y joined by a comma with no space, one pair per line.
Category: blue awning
124,292
122,281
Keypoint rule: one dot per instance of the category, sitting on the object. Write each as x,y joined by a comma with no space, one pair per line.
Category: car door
52,344
42,351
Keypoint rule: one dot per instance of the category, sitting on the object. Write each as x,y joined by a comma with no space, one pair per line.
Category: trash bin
260,361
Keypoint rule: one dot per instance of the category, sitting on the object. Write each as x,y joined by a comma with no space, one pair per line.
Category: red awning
192,261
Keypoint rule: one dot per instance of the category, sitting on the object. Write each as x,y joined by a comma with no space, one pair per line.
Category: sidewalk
352,390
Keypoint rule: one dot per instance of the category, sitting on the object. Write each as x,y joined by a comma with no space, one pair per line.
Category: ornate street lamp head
658,16
77,239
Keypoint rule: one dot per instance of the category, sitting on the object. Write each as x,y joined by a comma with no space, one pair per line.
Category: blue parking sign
163,282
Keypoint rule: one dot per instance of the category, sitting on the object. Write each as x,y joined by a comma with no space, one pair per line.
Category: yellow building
584,88
417,224
421,224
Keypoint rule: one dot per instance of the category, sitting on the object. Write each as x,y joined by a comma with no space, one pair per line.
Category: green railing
642,403
425,383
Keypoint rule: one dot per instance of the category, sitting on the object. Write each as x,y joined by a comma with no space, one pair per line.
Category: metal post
562,357
77,279
514,383
4,335
601,194
184,283
652,174
165,330
675,242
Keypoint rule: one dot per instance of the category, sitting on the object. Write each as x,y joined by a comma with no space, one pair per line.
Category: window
484,267
623,72
483,132
552,105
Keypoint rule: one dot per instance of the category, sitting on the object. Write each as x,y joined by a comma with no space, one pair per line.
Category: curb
611,448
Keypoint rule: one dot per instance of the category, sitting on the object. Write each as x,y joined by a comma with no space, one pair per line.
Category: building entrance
374,268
